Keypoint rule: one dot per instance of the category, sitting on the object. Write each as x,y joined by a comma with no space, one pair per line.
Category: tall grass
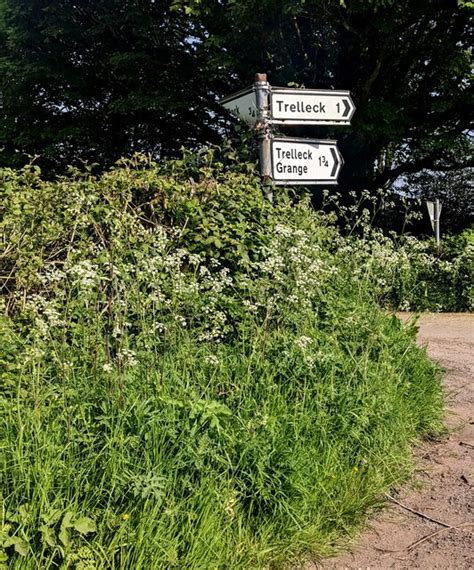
190,380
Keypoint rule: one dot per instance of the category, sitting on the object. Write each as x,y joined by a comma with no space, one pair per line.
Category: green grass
241,409
236,465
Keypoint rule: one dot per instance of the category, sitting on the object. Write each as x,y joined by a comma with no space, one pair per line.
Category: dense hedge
407,273
191,377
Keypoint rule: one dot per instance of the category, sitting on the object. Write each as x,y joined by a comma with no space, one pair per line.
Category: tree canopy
97,80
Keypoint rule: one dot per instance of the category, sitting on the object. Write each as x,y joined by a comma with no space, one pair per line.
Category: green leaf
21,547
48,535
52,516
67,520
85,525
23,512
64,536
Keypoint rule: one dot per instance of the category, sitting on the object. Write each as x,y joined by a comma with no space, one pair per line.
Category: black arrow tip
336,161
347,109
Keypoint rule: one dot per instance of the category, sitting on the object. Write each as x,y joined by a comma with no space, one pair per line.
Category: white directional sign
434,213
305,161
243,105
294,106
310,106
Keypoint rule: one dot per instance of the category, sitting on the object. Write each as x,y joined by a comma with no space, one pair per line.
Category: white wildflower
127,357
180,320
194,259
158,327
157,297
212,359
303,341
117,331
85,272
252,307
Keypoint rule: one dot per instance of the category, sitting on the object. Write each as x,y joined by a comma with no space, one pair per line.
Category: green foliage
96,81
190,378
399,270
407,273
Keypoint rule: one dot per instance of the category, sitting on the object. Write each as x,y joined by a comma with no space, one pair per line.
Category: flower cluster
410,273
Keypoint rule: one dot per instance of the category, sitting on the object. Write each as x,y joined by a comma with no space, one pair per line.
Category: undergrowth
190,378
403,272
411,274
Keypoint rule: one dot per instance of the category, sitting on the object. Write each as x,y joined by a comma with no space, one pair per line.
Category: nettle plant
56,530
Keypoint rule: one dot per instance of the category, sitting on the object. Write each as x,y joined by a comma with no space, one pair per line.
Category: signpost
292,160
305,161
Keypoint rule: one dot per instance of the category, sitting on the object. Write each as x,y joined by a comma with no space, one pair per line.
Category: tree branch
300,39
427,162
373,76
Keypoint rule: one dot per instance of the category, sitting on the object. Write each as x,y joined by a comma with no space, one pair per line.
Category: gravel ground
443,488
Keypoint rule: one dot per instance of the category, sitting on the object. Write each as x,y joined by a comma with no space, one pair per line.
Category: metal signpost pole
263,130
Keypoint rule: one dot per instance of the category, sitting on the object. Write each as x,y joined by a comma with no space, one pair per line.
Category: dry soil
444,490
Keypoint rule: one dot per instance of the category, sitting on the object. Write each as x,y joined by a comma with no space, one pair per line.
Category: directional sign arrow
243,105
310,106
305,161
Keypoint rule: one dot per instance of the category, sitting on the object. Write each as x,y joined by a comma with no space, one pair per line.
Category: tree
407,64
455,190
97,80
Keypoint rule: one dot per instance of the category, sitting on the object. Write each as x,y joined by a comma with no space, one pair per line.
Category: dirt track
444,487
